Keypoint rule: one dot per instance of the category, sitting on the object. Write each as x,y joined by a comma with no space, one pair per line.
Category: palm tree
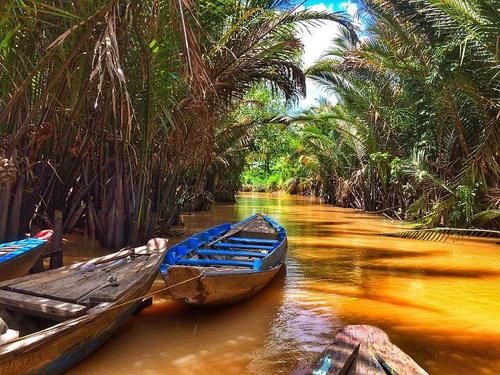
110,109
423,84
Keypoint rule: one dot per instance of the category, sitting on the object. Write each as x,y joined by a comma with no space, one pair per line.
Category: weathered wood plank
125,277
114,292
396,361
343,353
259,225
55,349
44,307
216,287
362,350
366,363
70,286
56,273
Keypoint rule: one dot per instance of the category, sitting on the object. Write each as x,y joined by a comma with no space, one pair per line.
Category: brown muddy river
440,302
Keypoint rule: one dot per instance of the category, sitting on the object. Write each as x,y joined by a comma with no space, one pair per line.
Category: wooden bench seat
242,246
236,253
251,240
214,262
40,306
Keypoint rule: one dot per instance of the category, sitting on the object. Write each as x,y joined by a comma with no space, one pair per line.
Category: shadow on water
437,301
171,337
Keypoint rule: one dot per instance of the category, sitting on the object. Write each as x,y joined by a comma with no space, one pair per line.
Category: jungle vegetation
415,133
122,113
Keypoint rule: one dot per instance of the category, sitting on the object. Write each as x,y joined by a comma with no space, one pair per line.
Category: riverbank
437,301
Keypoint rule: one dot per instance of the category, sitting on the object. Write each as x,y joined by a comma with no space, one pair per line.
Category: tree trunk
4,210
15,211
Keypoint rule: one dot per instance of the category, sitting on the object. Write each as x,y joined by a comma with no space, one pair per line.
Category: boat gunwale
22,251
227,270
33,341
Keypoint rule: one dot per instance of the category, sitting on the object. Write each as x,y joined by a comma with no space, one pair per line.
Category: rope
152,293
48,330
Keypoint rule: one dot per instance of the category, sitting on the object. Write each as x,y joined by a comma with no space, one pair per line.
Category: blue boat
17,257
226,263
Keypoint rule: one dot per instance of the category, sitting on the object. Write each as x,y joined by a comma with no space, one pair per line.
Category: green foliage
419,110
268,165
415,133
122,113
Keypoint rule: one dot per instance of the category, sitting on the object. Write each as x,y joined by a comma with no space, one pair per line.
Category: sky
318,40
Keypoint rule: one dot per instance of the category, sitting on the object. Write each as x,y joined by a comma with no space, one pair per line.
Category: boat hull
20,265
69,342
206,269
363,350
216,288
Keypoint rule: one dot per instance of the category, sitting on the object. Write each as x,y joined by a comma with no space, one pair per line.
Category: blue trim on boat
251,240
25,246
179,254
251,254
243,246
215,262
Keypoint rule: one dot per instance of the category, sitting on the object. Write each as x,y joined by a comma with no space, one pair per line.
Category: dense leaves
416,131
121,113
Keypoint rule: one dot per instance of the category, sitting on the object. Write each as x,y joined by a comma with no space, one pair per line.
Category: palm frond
442,234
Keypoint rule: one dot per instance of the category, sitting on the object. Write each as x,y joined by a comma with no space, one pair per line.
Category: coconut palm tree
424,84
110,109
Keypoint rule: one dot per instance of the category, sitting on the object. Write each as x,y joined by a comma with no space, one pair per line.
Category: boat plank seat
251,240
69,287
242,246
124,279
84,282
229,253
214,262
39,306
250,234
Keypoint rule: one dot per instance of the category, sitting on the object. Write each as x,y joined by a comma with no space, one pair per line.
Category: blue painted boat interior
194,252
20,247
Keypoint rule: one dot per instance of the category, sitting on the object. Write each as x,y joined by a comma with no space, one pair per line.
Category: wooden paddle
228,234
231,232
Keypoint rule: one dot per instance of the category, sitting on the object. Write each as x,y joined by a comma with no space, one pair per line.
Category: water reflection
438,301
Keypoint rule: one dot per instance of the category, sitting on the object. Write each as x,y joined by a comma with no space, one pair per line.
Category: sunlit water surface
440,302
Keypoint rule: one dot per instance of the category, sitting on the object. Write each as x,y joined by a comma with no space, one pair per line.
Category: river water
439,302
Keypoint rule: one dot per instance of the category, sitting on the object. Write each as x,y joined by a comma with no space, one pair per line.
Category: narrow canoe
227,263
17,257
362,350
65,314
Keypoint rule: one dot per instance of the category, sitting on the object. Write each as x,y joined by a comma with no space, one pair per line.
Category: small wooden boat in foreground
226,263
63,315
362,350
17,257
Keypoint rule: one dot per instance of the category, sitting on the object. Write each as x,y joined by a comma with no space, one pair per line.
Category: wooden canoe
17,257
227,263
65,314
362,350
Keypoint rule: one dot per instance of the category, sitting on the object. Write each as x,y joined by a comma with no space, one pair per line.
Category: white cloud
317,41
349,7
